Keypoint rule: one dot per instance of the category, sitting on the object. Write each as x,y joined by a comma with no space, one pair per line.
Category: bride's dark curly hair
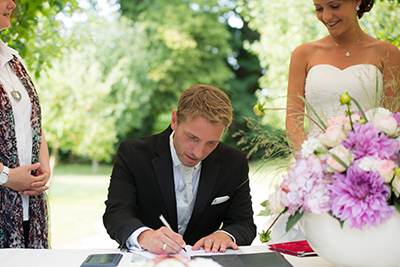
366,6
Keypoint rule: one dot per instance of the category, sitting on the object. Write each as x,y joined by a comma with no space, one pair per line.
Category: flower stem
351,121
302,113
276,219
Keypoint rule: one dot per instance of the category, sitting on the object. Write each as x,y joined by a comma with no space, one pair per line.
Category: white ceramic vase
377,246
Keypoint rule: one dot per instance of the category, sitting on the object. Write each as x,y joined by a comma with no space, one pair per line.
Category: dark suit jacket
142,187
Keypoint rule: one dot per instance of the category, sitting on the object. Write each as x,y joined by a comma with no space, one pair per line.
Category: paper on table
144,255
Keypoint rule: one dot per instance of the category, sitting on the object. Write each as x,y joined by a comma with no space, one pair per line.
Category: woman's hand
21,180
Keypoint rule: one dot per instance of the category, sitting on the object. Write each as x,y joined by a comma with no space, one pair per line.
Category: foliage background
109,74
33,32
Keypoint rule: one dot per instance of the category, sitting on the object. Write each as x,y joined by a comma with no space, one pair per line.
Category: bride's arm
391,75
295,94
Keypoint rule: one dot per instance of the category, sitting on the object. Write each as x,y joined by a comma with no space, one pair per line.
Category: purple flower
396,116
367,140
360,197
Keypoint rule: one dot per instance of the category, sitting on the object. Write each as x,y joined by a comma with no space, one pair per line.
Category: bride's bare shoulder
311,47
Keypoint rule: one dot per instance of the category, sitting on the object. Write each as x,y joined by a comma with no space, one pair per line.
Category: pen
164,221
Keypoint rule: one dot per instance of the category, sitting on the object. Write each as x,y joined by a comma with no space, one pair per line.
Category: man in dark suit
148,179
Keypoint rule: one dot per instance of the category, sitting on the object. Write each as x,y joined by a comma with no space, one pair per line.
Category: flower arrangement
350,170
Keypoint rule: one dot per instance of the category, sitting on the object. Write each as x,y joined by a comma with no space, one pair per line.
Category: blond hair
205,101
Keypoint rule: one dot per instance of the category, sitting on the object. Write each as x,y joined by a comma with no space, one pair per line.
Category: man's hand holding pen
161,241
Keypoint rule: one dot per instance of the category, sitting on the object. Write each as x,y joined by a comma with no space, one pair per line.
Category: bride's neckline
344,69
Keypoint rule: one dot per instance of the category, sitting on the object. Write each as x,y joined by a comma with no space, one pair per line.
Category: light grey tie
184,198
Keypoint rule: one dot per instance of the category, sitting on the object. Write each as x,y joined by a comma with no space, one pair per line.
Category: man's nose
198,150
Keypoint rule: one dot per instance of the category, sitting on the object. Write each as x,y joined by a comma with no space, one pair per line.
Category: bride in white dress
347,60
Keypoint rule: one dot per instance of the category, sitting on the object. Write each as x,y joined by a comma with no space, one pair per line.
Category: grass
81,169
76,199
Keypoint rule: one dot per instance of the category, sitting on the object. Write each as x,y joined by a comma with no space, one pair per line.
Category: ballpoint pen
164,221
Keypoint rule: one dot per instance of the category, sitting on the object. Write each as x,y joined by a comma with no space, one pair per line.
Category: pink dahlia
360,197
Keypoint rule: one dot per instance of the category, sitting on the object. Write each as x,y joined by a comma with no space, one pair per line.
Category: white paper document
145,255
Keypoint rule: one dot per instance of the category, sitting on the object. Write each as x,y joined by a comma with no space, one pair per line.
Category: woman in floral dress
24,158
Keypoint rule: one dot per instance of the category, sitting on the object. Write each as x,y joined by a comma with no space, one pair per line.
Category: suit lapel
165,176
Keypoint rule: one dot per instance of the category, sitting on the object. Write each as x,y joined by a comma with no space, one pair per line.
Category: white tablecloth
75,257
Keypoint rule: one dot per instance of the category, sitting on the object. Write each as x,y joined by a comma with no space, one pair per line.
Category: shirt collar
175,160
6,53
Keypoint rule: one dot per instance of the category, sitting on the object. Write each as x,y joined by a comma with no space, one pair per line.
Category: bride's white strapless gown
325,83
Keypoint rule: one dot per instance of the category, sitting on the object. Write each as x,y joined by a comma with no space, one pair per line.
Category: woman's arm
391,75
44,158
295,94
38,182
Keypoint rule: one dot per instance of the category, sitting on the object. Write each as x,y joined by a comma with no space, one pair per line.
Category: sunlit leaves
35,32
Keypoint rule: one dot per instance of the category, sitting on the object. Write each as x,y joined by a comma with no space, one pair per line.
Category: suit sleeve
120,218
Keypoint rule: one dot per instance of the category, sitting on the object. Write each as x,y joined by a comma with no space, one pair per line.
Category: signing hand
218,241
161,241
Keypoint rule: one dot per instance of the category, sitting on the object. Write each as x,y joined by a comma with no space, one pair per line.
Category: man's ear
174,120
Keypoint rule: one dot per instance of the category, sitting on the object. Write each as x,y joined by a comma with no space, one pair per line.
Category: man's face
194,140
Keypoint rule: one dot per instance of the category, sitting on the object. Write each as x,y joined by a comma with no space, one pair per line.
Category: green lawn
76,198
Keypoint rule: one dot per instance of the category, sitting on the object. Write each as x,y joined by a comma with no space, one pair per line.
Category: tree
140,77
188,46
35,31
92,93
247,70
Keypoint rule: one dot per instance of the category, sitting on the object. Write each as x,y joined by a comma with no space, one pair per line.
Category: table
74,257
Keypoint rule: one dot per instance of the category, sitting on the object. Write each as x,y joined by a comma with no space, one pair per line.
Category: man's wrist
142,238
231,236
132,241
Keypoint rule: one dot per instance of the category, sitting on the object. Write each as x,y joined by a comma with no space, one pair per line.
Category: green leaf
293,220
360,109
393,99
397,204
265,237
267,211
265,204
333,156
340,222
315,113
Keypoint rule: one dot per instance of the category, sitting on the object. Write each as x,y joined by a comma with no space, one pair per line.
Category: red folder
296,248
